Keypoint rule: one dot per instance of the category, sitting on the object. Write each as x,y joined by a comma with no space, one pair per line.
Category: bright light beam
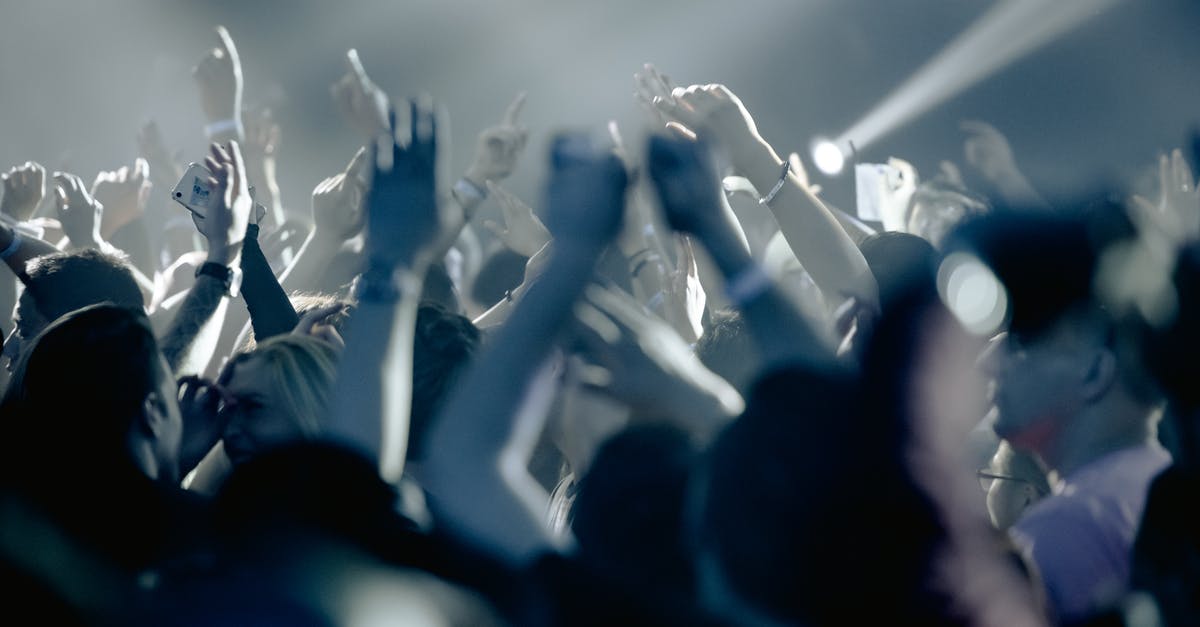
1007,32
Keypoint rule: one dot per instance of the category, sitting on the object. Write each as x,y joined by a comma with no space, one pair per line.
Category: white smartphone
193,190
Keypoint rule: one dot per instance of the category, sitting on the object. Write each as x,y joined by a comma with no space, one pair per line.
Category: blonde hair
302,368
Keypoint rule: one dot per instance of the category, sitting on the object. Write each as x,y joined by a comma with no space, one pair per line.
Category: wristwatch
230,276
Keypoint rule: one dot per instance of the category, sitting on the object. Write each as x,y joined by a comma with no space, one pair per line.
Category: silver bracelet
783,176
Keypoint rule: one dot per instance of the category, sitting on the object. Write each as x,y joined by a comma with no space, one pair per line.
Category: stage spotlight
828,157
1008,31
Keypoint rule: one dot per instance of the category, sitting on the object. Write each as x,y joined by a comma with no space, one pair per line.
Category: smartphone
193,190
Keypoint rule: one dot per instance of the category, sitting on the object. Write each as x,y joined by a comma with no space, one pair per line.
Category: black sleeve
271,312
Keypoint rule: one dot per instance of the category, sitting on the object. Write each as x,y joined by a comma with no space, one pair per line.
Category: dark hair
900,262
443,345
503,270
727,349
628,512
64,282
81,385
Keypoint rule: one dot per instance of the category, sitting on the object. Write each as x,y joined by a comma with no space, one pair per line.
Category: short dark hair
443,345
63,282
727,349
82,383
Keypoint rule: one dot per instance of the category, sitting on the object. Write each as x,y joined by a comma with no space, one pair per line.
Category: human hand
313,324
650,367
688,187
79,214
684,297
711,112
988,151
650,84
523,232
124,193
164,170
585,198
24,186
200,403
363,103
218,76
405,220
262,133
1177,213
337,207
499,147
225,224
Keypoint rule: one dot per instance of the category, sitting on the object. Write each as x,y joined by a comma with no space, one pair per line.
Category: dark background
77,79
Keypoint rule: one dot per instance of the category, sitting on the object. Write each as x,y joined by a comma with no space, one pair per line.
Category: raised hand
652,85
522,232
711,112
24,187
688,185
405,221
363,103
218,76
651,368
78,213
225,225
684,297
337,206
1177,212
124,193
585,198
164,170
988,151
499,147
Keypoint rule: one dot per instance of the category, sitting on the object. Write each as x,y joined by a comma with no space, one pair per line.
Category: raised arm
373,392
189,342
821,245
689,190
475,470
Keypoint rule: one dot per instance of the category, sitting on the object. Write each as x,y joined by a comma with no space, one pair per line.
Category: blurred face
932,218
258,417
1034,384
1008,495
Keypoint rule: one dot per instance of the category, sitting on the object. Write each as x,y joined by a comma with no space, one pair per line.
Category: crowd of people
679,388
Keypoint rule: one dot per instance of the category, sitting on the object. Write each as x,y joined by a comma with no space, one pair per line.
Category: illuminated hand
225,225
988,151
24,187
363,103
651,85
78,213
711,112
650,368
1177,212
684,300
522,232
337,202
123,193
164,170
405,221
219,78
499,147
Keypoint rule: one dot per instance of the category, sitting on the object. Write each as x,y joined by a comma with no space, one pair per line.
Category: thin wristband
13,246
224,126
783,176
747,285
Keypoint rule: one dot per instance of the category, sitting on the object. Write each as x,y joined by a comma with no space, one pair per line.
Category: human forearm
819,242
191,339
